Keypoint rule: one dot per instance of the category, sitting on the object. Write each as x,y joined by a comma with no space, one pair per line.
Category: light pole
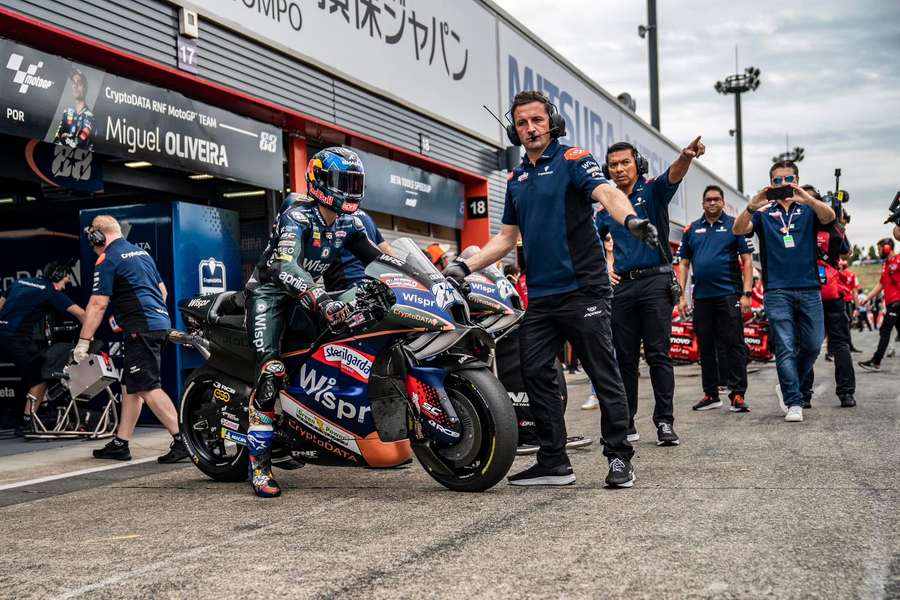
737,84
650,28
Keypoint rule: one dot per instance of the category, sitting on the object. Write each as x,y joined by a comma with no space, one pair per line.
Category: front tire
483,405
200,426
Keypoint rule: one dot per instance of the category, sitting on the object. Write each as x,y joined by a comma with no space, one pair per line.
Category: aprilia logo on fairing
444,294
349,359
320,390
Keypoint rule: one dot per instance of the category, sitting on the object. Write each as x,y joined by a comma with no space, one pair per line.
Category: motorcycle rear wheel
198,421
482,404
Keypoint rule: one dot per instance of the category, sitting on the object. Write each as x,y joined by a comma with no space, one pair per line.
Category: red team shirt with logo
890,279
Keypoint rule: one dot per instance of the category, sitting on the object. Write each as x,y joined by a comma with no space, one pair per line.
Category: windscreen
407,251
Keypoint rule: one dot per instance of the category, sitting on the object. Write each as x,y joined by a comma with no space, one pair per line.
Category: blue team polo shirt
27,301
650,199
714,254
551,204
128,275
787,268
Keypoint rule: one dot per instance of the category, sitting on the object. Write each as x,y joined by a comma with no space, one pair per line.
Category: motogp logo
27,78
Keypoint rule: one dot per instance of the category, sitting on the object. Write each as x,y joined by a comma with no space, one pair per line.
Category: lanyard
786,227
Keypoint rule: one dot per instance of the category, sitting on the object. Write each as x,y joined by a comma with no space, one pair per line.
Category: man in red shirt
890,283
849,289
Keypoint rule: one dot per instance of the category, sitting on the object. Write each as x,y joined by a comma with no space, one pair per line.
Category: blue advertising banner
399,189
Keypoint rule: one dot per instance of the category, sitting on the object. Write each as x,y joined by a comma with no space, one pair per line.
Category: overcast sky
830,80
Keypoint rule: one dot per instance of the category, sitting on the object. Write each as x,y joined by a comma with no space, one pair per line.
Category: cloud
830,81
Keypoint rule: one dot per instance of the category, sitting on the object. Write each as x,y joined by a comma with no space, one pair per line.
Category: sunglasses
786,179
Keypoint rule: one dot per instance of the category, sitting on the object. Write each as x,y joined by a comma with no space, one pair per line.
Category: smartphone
780,193
823,275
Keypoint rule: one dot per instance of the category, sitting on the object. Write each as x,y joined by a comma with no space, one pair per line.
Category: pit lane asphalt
747,507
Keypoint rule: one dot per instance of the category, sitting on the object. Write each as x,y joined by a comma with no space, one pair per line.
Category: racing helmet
335,178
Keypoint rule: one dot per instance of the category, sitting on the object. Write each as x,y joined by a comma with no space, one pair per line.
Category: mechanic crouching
307,238
26,303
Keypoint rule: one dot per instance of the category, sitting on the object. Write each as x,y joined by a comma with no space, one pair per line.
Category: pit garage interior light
140,164
200,176
244,194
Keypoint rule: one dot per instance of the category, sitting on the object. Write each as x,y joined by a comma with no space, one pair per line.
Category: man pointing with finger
644,294
549,202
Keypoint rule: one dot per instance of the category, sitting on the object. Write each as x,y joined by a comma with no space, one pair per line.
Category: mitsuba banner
398,189
438,55
49,98
594,121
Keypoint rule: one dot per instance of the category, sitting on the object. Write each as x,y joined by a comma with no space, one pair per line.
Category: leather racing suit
301,247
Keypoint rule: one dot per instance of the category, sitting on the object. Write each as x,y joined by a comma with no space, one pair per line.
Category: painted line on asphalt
80,472
158,566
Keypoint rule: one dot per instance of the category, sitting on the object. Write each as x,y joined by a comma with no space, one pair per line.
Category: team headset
95,236
642,165
886,246
557,124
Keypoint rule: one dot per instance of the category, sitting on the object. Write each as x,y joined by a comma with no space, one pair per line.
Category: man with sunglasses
643,296
722,266
787,227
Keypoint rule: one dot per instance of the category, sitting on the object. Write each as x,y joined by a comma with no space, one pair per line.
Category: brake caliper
439,422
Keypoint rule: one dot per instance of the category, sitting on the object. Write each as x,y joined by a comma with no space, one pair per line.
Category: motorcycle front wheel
488,446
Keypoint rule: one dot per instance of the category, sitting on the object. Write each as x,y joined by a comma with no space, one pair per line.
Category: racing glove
643,230
80,352
457,271
335,311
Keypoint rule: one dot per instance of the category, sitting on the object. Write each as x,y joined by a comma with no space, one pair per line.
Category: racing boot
261,431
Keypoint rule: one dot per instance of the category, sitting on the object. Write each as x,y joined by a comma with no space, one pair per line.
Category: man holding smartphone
787,219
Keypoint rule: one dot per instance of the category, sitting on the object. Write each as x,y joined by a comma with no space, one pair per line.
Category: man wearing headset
27,302
890,283
126,277
550,202
644,294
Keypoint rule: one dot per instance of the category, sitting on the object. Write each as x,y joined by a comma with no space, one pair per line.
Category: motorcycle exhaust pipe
196,342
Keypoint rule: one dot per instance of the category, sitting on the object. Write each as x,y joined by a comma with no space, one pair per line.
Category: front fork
436,417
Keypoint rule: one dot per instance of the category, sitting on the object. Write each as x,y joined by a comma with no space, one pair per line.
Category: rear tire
198,421
480,399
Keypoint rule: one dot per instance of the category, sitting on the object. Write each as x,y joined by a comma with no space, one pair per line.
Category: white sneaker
794,414
780,397
591,403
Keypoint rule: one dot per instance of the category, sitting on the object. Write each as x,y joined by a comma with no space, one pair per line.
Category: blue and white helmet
336,179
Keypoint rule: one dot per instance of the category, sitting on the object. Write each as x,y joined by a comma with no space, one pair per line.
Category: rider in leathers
306,239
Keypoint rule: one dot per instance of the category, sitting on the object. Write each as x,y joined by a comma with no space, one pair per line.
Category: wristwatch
748,294
749,210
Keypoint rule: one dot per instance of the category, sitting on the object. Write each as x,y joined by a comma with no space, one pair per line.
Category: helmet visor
348,183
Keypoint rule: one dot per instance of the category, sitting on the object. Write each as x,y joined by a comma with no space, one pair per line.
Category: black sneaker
847,401
829,358
855,350
666,436
538,474
577,441
24,427
807,403
708,403
869,365
113,451
621,474
177,451
525,449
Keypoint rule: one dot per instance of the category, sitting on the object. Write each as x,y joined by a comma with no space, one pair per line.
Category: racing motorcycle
406,373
